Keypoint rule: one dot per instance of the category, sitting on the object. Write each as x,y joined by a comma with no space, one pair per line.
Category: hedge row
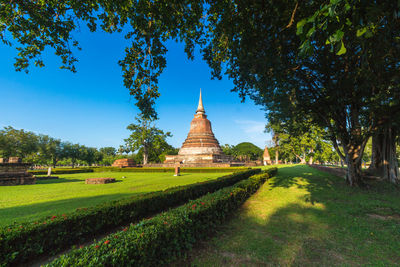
137,169
165,237
24,242
155,169
62,171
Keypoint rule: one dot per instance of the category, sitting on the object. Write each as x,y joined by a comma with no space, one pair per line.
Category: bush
137,169
165,237
155,169
23,242
62,171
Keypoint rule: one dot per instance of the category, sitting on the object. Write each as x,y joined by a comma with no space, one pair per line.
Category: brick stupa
266,157
200,147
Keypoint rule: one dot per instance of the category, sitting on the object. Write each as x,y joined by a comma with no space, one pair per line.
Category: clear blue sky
93,108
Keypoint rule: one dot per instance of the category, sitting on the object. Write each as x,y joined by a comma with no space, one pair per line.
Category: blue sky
93,108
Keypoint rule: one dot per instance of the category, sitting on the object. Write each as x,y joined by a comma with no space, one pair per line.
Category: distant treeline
41,149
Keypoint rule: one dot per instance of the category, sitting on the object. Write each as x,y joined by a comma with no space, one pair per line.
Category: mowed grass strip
49,197
304,217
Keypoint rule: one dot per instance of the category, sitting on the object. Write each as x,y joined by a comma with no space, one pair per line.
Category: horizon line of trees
41,149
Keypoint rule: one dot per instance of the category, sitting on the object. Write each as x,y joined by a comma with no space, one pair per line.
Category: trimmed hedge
136,169
155,169
23,242
165,237
61,171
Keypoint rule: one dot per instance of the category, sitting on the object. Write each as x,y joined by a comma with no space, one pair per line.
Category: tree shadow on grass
59,180
65,180
318,221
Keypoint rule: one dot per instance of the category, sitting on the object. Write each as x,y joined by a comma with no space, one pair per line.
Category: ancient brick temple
14,172
266,157
200,147
123,163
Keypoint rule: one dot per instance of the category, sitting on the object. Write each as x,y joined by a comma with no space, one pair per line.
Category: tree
108,151
335,62
247,151
229,150
303,141
50,150
90,155
145,136
73,152
344,93
18,143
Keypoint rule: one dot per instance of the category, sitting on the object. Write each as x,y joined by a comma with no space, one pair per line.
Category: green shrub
137,169
23,242
62,171
155,169
165,237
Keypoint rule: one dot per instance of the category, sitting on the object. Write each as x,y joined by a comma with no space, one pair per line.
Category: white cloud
249,126
254,131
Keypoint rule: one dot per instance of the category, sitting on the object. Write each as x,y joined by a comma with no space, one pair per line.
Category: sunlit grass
304,217
69,192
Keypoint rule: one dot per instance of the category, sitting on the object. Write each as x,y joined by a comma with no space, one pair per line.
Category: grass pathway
304,217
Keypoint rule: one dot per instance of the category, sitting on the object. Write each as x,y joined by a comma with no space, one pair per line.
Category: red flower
21,227
54,216
107,242
165,222
64,215
116,236
9,229
97,246
125,229
231,194
81,246
202,203
44,222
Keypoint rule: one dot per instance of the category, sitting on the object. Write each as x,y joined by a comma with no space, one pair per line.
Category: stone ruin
201,148
14,172
102,180
266,157
123,163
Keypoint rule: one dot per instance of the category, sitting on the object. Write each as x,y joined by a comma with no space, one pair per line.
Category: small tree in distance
145,136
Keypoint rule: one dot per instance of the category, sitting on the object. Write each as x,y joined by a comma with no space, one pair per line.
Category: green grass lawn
69,192
304,217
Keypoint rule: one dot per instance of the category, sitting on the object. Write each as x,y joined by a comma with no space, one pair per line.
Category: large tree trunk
277,155
353,175
389,163
310,160
353,155
376,157
383,160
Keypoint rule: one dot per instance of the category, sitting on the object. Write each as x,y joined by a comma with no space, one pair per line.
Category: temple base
15,174
198,159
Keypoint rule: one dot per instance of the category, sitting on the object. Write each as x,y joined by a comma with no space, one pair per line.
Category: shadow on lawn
327,225
37,211
64,180
59,180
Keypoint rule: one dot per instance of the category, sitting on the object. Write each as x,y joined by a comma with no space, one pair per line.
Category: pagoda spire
200,108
